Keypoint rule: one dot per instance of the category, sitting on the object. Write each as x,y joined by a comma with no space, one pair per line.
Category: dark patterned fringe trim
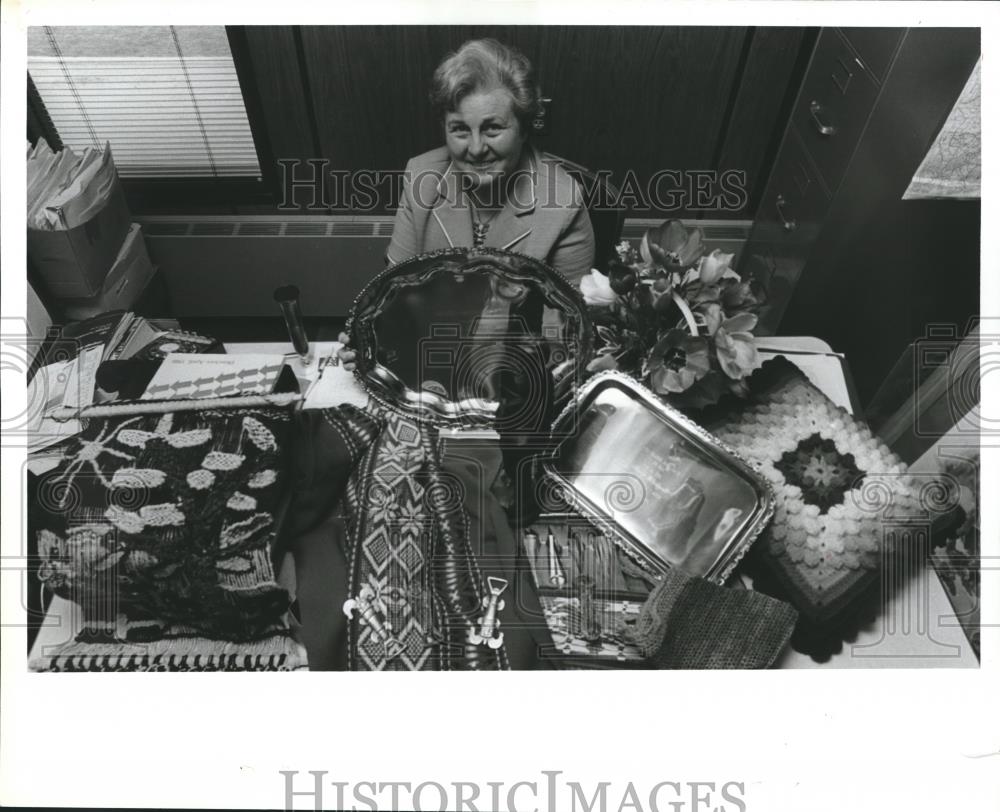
168,662
276,653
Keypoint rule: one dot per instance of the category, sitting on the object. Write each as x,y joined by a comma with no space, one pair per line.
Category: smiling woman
485,141
488,186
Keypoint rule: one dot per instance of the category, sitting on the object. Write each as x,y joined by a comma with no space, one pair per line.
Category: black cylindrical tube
287,298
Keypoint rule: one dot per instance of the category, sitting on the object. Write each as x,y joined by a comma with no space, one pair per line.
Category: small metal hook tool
489,627
369,615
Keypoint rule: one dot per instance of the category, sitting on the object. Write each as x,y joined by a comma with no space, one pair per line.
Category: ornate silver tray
668,492
444,335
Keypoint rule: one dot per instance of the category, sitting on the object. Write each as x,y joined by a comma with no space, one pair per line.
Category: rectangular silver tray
668,492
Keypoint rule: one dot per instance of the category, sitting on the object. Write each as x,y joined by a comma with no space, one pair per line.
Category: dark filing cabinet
833,241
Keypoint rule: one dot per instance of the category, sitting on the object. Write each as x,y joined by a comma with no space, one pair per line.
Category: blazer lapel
450,213
507,230
511,225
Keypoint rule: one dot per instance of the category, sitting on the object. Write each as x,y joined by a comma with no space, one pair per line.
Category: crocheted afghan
160,528
845,503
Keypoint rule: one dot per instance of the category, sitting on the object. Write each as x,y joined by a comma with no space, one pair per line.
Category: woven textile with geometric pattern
417,591
160,528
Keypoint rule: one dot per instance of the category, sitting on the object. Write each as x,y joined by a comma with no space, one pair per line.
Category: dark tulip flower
622,278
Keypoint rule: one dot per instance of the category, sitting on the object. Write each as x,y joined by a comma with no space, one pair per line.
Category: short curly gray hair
485,64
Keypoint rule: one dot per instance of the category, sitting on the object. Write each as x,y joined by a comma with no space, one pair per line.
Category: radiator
230,266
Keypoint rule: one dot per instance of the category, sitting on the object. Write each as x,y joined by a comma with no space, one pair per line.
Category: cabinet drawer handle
779,205
815,108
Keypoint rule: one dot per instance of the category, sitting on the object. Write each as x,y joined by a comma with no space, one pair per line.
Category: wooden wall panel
635,98
623,98
626,99
284,96
761,105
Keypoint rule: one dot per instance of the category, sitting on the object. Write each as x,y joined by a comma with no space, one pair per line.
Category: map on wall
952,166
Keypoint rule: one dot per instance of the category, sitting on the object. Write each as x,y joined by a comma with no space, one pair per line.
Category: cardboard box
123,284
75,262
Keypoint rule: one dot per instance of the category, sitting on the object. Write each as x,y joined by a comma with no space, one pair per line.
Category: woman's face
484,136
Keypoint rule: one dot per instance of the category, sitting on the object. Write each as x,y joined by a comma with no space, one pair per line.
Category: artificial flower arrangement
675,317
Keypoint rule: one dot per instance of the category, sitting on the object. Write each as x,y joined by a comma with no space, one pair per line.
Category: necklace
480,225
479,230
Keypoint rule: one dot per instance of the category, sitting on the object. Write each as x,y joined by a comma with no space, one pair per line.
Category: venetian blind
167,98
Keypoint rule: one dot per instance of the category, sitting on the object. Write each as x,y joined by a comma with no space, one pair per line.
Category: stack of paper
61,384
66,189
335,386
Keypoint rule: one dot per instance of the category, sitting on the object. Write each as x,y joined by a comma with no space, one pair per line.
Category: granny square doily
845,503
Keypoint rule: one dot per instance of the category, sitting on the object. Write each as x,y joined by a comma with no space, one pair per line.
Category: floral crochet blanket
160,527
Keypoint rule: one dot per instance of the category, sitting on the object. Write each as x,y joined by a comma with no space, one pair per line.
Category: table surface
917,627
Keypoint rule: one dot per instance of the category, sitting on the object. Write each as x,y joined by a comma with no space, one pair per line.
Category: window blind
166,98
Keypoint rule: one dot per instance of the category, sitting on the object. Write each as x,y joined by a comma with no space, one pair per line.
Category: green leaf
607,334
644,250
603,362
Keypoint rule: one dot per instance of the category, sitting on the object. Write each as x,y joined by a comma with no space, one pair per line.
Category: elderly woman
488,186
